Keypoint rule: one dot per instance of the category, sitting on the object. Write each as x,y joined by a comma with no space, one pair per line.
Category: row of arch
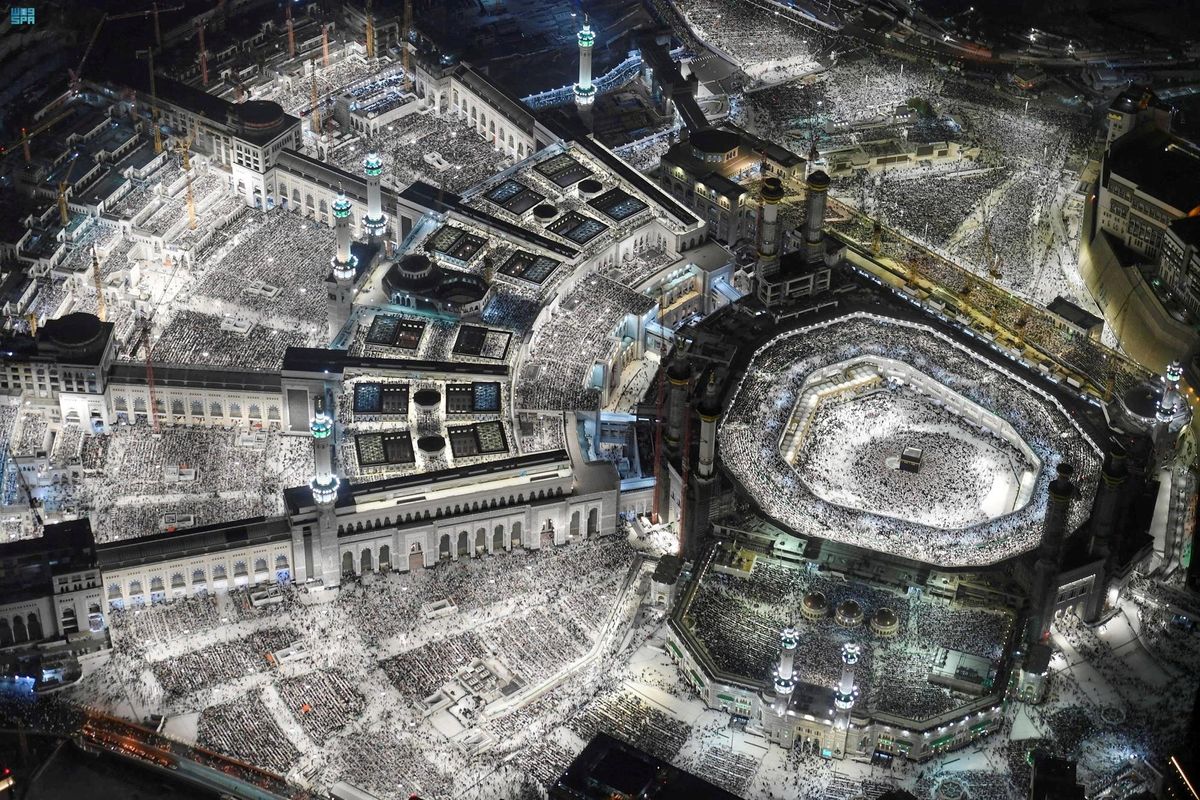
21,629
196,408
381,523
157,585
452,546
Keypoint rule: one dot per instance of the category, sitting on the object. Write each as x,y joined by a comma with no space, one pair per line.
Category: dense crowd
581,328
134,478
750,431
768,47
850,456
738,621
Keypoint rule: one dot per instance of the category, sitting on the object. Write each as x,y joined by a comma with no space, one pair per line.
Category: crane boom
63,215
370,31
404,54
101,310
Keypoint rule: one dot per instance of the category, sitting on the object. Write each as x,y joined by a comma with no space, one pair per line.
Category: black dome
74,330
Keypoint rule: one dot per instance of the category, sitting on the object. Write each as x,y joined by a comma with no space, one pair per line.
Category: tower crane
315,118
63,215
405,33
101,311
28,134
185,152
203,54
370,29
291,32
158,146
77,73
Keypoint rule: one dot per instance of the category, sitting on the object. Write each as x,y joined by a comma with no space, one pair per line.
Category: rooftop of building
1164,167
608,767
1187,230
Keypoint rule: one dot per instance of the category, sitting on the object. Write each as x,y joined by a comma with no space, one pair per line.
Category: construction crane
77,73
101,311
185,151
63,215
314,119
405,32
143,341
291,33
370,28
158,145
28,134
203,54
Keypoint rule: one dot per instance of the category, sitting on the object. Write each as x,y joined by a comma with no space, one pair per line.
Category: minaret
345,265
679,374
778,698
768,246
324,486
374,223
784,677
1106,513
585,92
1169,406
814,216
1045,571
844,696
710,411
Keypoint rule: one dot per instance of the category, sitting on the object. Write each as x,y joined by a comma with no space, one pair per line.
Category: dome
849,613
260,114
885,622
431,444
590,186
414,273
545,212
818,180
713,142
427,398
816,601
77,330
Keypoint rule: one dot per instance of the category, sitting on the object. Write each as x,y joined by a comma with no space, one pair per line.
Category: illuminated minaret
324,486
345,265
844,697
777,698
768,246
1169,407
374,223
585,92
709,409
784,678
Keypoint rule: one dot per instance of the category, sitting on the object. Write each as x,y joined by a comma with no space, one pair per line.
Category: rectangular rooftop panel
528,267
577,227
474,340
377,449
563,170
617,204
